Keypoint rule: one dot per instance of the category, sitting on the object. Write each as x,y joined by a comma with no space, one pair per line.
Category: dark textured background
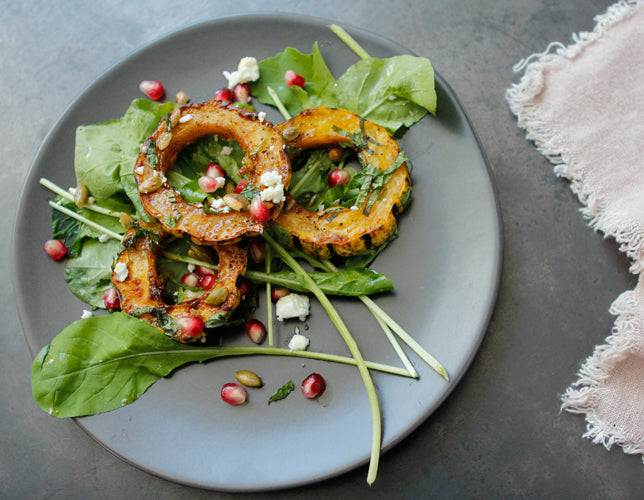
500,433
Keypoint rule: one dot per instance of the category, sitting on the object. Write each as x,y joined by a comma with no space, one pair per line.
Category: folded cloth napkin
583,106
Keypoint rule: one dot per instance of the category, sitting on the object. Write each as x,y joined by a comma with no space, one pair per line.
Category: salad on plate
184,211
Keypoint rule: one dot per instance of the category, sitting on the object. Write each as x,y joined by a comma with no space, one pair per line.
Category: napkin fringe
521,100
583,395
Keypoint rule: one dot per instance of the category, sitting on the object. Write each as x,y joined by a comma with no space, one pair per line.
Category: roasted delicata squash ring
348,231
140,287
264,148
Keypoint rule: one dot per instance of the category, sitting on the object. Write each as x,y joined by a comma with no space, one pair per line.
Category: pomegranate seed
257,250
241,93
313,386
111,299
224,94
233,394
240,187
209,184
56,249
202,270
190,279
207,281
151,88
277,292
214,170
255,330
292,78
191,326
338,176
245,287
258,210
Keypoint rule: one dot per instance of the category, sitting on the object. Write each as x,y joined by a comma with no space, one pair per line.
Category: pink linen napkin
583,106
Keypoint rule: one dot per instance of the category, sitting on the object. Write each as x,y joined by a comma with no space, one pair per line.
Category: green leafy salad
106,360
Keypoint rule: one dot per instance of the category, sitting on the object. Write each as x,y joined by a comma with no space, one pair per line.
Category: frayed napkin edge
520,97
582,396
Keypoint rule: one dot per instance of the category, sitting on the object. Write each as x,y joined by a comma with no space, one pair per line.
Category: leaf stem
278,103
408,339
68,196
85,220
328,265
348,39
376,436
269,301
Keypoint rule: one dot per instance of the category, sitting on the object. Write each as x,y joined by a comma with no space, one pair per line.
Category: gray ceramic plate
445,265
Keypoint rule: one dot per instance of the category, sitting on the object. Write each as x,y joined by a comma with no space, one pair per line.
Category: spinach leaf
105,362
311,66
89,274
282,392
394,92
105,152
345,282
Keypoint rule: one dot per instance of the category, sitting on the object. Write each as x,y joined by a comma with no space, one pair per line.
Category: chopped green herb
282,392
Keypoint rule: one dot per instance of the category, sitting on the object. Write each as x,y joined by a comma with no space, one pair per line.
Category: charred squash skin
349,232
143,287
264,148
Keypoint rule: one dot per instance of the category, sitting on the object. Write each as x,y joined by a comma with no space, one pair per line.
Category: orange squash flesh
264,148
142,288
349,232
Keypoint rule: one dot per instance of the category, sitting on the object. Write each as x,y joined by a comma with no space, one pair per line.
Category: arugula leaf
282,392
105,152
311,66
89,274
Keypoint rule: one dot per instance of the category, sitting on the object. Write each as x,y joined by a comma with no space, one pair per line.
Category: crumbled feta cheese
298,342
262,116
274,191
185,118
86,314
139,170
273,194
354,207
219,205
226,150
221,182
247,71
270,178
121,271
292,305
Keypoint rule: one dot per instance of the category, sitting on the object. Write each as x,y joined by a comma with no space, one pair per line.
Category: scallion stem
329,266
278,103
269,302
348,39
85,220
68,196
376,436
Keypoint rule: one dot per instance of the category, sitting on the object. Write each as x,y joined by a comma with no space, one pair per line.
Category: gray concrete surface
500,434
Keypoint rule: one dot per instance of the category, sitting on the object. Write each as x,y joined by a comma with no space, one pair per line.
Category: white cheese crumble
247,71
274,191
120,271
262,116
274,194
219,205
139,170
298,342
226,150
292,305
87,314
